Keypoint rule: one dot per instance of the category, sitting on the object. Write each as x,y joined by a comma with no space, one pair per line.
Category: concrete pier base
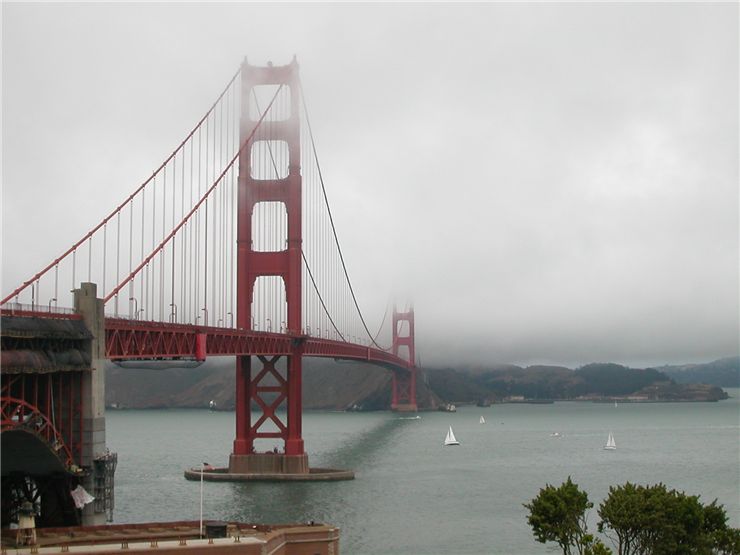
268,463
225,475
269,467
401,407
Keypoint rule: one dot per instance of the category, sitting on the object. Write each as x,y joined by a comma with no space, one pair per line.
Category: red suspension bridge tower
404,381
285,264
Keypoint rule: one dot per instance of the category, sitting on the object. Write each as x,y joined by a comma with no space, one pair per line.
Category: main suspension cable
331,220
130,198
203,200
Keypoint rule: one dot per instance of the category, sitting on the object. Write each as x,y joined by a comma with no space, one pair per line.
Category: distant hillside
724,372
597,380
326,385
342,385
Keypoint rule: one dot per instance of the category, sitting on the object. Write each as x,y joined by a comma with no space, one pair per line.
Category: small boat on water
555,434
482,420
212,404
610,444
450,439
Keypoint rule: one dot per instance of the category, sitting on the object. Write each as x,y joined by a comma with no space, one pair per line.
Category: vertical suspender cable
205,225
213,224
221,257
56,285
118,255
197,238
162,255
205,273
131,253
150,314
141,279
230,121
105,252
331,219
183,238
190,243
173,307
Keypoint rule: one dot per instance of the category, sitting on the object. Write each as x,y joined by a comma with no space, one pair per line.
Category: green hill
724,372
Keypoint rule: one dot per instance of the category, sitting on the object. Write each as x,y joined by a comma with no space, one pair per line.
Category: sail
610,443
482,420
450,439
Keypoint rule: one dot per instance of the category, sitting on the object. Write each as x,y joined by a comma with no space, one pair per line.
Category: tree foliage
657,521
614,379
559,515
651,519
644,520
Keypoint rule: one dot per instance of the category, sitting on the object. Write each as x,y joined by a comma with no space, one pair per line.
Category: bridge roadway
133,339
127,339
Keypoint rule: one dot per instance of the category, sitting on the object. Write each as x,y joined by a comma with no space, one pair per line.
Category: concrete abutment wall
91,308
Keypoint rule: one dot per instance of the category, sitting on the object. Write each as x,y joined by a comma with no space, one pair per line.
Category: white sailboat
610,444
482,420
450,439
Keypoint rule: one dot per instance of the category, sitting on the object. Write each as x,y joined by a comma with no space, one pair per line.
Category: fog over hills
550,182
724,372
333,385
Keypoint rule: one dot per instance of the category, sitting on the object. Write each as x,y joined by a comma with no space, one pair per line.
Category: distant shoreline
459,404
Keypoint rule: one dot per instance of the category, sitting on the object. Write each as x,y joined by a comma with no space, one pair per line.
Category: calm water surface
411,495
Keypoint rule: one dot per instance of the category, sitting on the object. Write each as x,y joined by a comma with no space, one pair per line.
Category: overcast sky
549,183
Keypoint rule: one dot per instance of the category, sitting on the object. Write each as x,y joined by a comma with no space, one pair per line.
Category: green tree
594,546
719,538
725,542
656,521
559,515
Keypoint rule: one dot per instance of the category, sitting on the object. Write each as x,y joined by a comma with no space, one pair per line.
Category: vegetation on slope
339,386
724,372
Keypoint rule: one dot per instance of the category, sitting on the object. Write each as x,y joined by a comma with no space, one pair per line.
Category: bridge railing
14,308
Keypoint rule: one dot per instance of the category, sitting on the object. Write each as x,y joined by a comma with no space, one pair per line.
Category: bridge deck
143,340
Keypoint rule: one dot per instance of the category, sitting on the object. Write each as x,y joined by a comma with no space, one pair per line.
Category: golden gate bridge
228,248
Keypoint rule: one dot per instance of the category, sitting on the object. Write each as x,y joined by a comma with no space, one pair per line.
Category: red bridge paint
404,382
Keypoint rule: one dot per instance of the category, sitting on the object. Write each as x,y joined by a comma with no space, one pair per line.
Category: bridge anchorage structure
227,249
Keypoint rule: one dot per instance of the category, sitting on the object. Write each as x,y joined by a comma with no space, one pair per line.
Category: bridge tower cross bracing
253,264
404,381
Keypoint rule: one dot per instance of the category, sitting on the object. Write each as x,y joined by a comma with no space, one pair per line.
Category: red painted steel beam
18,414
135,339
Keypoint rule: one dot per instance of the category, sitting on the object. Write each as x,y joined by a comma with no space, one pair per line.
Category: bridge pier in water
268,379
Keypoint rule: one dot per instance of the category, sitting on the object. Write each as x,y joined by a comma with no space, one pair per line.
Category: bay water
412,495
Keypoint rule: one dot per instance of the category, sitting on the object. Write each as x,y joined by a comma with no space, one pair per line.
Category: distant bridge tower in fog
404,380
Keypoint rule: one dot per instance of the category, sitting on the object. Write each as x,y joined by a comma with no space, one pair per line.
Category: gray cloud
548,182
